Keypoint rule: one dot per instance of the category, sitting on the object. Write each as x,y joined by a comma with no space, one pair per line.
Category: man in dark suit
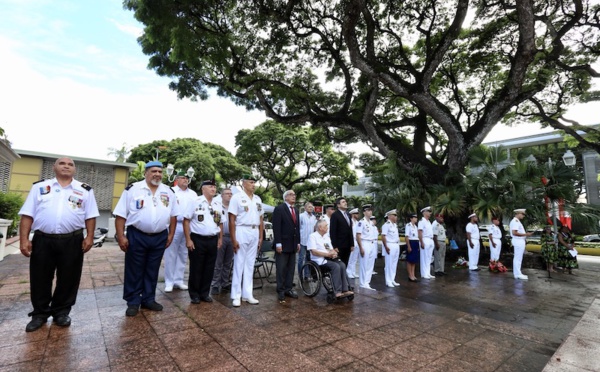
340,230
286,238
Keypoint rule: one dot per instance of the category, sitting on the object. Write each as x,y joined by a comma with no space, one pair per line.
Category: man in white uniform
177,253
351,269
308,220
426,243
391,247
328,210
518,235
472,230
366,237
439,241
495,236
246,230
149,210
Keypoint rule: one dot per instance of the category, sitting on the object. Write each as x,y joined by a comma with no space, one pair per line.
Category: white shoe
168,288
374,272
522,277
396,284
351,277
251,300
183,287
236,302
367,287
391,285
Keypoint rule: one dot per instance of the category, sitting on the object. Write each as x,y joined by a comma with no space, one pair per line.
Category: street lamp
171,175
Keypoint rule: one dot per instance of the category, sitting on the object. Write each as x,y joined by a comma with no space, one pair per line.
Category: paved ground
462,322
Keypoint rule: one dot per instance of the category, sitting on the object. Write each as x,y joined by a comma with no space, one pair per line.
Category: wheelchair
315,278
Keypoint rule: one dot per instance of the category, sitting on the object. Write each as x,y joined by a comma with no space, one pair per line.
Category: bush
10,204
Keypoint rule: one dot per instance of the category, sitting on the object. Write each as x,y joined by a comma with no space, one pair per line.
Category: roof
75,158
6,153
534,140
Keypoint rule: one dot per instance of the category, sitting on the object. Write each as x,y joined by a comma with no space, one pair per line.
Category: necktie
293,214
346,217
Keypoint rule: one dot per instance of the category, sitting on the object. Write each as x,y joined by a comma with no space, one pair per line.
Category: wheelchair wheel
327,282
312,283
350,298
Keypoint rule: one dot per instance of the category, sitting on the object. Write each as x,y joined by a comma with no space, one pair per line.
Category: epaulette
42,180
129,186
86,186
172,189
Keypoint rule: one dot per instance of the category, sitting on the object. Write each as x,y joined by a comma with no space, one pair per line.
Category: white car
268,231
592,238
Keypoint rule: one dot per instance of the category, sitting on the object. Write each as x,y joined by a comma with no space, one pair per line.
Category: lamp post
171,175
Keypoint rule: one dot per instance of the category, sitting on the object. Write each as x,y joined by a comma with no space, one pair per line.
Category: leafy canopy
424,80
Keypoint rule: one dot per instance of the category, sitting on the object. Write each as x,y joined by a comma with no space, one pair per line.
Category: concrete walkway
462,322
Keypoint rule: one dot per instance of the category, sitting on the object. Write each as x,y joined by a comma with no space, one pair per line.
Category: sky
74,81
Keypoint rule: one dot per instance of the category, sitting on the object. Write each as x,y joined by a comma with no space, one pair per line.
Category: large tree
207,159
289,157
422,80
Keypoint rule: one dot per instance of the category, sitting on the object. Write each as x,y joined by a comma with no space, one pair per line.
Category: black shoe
477,269
207,299
413,280
152,306
62,321
215,291
132,310
195,300
291,294
281,297
35,324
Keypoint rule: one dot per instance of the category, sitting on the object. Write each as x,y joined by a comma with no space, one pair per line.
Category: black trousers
202,265
285,262
344,254
64,257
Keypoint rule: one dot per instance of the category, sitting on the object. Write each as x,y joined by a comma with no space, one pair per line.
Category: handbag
453,244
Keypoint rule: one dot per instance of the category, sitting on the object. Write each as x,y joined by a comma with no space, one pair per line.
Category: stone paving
462,322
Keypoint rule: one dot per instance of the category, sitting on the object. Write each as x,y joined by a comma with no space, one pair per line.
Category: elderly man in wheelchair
325,267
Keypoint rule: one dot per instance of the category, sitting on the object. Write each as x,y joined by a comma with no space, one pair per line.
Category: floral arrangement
461,263
497,267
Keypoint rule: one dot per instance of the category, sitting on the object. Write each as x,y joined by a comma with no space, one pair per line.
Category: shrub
10,204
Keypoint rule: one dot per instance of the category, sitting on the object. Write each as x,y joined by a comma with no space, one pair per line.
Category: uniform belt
60,236
145,233
204,236
249,226
369,240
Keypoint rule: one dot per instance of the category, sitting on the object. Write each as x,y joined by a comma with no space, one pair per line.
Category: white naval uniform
325,217
392,240
249,216
473,228
518,243
426,252
496,234
176,254
353,260
368,237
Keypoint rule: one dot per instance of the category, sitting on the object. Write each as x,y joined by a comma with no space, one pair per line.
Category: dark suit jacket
340,232
285,231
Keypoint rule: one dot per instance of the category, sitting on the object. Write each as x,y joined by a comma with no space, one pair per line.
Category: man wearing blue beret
149,210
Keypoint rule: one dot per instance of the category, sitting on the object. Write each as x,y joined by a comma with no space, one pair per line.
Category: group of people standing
216,233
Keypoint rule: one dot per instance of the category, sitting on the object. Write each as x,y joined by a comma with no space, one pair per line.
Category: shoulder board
42,180
86,186
172,189
129,186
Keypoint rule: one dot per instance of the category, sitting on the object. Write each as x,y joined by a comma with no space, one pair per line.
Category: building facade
107,178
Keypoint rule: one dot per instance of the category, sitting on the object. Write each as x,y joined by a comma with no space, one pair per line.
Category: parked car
592,238
268,231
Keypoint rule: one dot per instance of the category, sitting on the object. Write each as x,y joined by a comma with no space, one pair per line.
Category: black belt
59,236
145,233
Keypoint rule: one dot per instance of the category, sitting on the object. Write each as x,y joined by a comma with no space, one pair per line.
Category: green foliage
418,79
207,159
299,158
120,154
10,204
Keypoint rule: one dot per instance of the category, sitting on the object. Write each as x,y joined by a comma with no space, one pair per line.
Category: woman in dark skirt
549,251
412,247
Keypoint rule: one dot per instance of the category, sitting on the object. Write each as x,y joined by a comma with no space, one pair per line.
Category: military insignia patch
164,198
200,218
45,190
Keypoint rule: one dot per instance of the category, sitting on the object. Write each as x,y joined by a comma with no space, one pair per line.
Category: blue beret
154,163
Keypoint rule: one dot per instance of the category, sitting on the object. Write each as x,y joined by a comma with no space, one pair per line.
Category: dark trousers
339,279
49,255
285,262
202,265
223,264
142,262
344,254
